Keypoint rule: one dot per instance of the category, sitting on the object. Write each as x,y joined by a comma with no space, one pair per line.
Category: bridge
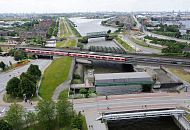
109,57
96,34
8,45
141,114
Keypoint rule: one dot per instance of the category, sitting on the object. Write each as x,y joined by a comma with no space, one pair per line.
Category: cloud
61,6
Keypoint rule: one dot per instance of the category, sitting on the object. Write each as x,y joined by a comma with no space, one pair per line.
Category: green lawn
64,94
181,73
67,43
54,75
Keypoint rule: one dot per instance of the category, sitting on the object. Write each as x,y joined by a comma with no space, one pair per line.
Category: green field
67,43
54,75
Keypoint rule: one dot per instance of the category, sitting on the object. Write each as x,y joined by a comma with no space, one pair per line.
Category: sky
67,6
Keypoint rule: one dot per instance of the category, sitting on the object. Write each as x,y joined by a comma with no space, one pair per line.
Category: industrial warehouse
116,83
114,79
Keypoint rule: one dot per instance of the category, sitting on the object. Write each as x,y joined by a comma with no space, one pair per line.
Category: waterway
85,26
159,123
186,23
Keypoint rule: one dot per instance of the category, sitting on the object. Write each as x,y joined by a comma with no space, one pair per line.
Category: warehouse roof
107,76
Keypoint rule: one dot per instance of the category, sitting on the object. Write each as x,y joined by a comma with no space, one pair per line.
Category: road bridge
96,34
8,45
118,58
117,104
142,114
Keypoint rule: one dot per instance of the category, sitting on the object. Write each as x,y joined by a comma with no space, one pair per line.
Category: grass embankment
187,116
124,44
64,94
65,30
181,73
84,124
54,75
142,43
3,42
67,43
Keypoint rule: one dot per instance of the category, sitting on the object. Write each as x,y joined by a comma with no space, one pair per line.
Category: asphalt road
7,60
6,76
133,102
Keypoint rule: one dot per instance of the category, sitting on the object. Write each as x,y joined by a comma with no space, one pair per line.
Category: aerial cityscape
94,65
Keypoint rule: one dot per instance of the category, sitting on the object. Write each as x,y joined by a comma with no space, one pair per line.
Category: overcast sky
64,6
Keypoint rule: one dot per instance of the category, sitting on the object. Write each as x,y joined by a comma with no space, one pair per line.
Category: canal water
85,26
158,123
90,25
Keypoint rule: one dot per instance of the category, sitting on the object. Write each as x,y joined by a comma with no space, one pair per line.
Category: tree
14,116
64,112
117,22
5,126
109,31
34,71
13,87
27,87
19,55
2,39
2,65
46,113
84,91
1,50
28,76
12,52
31,118
77,121
147,88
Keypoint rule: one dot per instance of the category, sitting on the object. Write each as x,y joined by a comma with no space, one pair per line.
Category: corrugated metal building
122,79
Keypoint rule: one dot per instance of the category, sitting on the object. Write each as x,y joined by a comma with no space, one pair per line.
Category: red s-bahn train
80,55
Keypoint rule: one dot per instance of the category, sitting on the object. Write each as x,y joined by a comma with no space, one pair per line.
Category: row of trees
26,85
29,25
53,30
172,45
38,40
2,39
17,54
48,115
167,30
86,92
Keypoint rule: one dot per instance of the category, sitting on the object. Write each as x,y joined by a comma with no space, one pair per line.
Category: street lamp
186,87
